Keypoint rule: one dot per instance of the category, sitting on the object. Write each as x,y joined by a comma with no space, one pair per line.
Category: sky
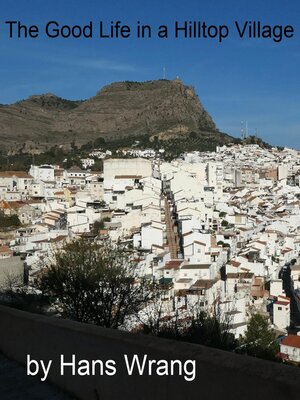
253,80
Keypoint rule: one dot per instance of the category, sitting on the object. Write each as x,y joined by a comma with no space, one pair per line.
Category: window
279,308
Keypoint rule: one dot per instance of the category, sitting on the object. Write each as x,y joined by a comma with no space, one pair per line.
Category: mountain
162,109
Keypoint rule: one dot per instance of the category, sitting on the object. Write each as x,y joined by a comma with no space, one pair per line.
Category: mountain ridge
157,108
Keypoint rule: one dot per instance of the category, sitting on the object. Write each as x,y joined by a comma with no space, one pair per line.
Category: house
207,291
239,281
281,313
290,349
43,173
16,180
152,234
276,288
5,252
196,271
76,176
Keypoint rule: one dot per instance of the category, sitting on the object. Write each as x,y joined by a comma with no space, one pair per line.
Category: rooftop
292,341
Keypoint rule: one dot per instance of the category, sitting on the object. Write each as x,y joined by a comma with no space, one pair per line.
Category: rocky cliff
163,108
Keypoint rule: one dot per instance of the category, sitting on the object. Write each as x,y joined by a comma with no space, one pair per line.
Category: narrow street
171,234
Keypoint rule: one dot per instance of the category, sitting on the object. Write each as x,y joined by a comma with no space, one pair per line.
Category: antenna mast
242,130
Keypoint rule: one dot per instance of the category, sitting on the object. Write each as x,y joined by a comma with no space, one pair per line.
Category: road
171,235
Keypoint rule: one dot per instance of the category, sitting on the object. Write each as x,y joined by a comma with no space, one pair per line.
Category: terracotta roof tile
292,341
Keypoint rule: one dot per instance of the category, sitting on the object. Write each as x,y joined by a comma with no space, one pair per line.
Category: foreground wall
220,375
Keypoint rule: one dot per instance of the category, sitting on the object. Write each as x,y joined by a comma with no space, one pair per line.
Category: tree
95,283
212,330
159,318
259,340
99,142
192,324
11,221
99,224
15,293
98,166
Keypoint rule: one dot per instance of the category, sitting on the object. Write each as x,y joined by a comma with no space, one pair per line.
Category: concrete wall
220,375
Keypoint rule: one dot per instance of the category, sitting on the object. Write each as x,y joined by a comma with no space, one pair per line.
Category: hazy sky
237,80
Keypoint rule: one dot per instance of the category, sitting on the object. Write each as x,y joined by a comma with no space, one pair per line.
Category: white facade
130,167
290,348
43,173
281,314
